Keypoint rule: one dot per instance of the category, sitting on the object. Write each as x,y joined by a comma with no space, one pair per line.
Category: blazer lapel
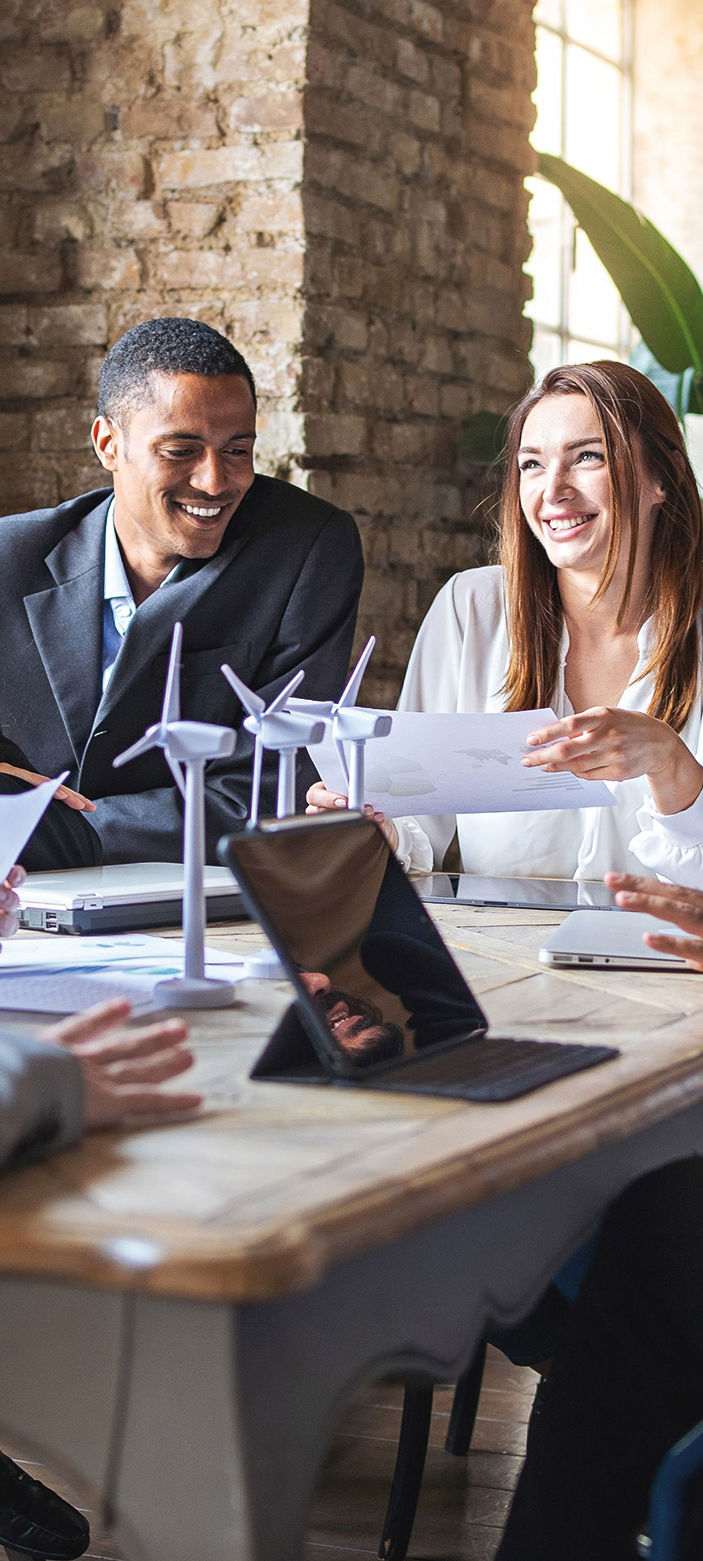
152,625
66,621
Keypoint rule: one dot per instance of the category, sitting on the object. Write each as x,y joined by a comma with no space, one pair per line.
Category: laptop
537,894
597,938
121,897
380,1003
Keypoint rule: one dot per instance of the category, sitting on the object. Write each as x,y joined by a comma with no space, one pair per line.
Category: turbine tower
277,728
188,745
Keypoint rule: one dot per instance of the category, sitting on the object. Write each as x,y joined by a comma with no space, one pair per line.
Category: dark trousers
626,1382
62,838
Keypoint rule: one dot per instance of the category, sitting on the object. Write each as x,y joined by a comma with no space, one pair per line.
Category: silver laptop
121,897
599,938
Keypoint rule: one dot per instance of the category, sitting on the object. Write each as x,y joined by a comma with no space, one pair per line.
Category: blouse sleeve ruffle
671,844
414,848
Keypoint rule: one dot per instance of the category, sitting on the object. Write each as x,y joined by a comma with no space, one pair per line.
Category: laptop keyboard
491,1068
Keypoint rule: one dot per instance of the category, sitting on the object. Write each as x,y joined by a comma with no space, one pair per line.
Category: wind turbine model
351,726
188,745
279,729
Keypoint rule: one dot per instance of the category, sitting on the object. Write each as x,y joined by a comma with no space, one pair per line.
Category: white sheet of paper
19,815
459,764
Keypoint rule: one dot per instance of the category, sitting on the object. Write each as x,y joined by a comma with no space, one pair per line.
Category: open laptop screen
370,968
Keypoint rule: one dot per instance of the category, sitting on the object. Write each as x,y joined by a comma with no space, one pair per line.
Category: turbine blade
177,772
348,696
151,739
251,701
172,696
280,700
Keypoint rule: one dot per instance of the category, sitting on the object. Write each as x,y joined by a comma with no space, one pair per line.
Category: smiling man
261,574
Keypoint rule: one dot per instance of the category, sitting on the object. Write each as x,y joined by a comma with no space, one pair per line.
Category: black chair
412,1451
530,1343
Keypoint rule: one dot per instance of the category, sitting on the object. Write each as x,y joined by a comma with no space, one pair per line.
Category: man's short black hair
169,345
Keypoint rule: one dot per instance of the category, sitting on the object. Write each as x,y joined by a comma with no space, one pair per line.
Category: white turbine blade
177,772
256,780
151,739
172,697
280,700
251,701
348,696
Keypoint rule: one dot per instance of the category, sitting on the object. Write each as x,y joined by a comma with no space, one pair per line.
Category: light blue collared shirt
119,604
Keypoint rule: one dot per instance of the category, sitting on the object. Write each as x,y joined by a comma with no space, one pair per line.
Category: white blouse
459,662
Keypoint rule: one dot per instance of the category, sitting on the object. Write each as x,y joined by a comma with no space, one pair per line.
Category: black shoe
34,1521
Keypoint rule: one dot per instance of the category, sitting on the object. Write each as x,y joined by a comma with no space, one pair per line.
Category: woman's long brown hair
625,403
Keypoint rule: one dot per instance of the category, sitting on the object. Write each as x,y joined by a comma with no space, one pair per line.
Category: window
583,99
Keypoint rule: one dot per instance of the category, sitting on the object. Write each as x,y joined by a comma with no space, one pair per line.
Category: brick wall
337,186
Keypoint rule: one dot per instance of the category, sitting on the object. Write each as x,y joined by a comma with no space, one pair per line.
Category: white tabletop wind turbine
351,726
281,730
188,745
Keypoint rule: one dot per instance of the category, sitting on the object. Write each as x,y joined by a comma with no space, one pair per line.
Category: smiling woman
595,611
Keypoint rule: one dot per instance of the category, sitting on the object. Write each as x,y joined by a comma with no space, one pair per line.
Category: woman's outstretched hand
615,745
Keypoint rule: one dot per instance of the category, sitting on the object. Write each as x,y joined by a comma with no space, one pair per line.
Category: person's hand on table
320,800
668,902
616,745
72,799
9,902
123,1071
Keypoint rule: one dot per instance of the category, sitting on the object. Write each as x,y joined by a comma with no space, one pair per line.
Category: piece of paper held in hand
459,764
19,815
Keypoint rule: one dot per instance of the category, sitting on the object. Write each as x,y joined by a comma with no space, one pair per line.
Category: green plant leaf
663,297
482,438
684,392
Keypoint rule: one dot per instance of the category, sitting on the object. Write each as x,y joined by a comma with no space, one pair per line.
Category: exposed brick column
417,122
338,186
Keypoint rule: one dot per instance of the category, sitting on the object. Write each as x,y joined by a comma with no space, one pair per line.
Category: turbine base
193,992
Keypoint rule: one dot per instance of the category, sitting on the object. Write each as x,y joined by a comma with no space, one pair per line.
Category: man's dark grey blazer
281,593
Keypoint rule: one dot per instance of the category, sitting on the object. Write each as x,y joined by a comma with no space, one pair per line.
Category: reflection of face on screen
355,1025
365,951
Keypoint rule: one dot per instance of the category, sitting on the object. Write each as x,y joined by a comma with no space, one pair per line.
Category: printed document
459,764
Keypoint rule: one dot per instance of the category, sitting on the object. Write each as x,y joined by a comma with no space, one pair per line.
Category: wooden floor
461,1508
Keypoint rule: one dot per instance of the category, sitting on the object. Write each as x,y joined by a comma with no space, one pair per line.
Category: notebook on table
597,938
121,897
380,1003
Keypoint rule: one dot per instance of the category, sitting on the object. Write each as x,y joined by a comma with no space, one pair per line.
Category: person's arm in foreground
668,902
87,1073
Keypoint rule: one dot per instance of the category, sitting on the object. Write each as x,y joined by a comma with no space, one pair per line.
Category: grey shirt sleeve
41,1099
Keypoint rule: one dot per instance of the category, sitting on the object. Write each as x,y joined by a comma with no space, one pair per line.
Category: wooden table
185,1309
